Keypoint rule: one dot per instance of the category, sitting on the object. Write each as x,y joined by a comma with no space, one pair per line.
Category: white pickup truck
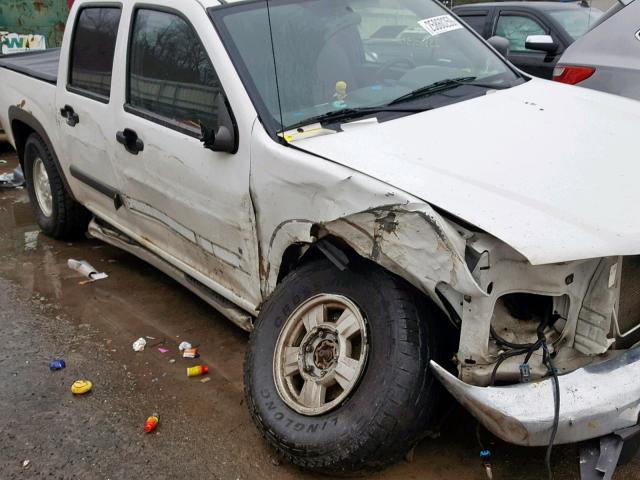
370,188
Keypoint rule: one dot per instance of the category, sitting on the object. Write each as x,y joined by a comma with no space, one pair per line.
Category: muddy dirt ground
205,430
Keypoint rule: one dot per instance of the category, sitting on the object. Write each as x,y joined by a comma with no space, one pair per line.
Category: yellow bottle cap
81,386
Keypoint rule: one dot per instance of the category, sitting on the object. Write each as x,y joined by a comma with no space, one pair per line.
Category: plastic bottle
151,423
197,370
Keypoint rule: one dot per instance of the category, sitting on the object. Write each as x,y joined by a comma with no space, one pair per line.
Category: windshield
576,22
328,55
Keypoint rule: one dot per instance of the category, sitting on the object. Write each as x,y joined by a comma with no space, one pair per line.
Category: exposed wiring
529,349
501,341
501,358
556,407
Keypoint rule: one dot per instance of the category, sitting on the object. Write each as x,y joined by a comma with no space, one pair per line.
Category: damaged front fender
412,241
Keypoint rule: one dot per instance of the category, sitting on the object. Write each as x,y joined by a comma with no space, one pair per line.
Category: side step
238,316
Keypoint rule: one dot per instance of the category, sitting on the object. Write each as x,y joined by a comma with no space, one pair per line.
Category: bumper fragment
594,401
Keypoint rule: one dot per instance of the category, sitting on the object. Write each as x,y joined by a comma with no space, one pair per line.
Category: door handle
71,116
130,140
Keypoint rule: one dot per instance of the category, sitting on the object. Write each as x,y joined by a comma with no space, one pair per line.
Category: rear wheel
57,214
337,371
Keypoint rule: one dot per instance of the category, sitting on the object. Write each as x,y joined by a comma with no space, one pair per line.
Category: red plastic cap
572,74
150,425
205,369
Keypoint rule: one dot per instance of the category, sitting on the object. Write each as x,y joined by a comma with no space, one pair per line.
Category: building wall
45,17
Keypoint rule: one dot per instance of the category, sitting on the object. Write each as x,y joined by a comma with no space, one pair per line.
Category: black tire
388,411
68,219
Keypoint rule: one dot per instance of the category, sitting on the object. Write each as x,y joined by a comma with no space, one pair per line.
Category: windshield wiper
350,113
442,85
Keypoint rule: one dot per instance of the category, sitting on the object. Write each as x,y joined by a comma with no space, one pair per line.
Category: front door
184,201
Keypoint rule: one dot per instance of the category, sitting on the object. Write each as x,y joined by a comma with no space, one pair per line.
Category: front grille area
629,306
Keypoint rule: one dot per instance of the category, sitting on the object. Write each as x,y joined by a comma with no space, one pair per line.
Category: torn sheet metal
594,401
411,241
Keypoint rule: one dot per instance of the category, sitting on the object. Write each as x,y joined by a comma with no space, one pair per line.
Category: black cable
502,358
535,347
501,341
556,408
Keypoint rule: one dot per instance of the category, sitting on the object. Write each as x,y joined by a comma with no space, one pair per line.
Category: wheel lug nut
308,348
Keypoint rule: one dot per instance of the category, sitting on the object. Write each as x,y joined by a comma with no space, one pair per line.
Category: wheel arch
23,124
410,241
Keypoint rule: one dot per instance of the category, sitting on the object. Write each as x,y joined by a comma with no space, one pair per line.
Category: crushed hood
550,169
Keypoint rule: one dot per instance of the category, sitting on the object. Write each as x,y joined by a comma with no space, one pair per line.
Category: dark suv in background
538,32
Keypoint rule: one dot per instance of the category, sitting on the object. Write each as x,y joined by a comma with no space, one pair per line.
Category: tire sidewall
32,150
340,428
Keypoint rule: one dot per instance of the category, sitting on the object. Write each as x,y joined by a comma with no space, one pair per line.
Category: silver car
607,58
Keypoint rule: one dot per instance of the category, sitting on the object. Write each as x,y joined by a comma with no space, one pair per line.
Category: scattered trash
25,464
31,240
151,423
139,344
3,162
205,379
149,338
84,268
184,346
163,350
173,360
197,370
485,457
12,179
81,386
190,353
57,364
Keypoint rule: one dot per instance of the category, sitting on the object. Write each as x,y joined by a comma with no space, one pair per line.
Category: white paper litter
184,346
139,344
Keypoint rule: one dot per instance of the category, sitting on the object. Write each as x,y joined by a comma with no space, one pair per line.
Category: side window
516,29
170,74
476,22
94,43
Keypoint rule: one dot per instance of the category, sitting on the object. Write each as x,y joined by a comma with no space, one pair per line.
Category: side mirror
222,137
501,44
544,43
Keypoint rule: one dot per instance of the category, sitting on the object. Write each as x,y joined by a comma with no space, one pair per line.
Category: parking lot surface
205,430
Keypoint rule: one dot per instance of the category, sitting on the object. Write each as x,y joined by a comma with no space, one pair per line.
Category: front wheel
337,371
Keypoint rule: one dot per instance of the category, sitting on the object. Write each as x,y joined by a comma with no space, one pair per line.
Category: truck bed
42,65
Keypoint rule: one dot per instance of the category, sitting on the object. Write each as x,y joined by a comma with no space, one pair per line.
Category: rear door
516,26
85,107
187,203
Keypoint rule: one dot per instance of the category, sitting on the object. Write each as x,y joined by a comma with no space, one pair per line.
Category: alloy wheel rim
320,354
42,187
